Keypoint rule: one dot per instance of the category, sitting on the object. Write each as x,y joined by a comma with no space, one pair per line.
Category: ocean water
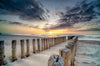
88,54
90,37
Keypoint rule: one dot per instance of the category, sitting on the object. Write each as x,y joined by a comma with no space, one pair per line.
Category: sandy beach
88,54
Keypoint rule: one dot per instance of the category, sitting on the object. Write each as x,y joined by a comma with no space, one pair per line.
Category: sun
50,32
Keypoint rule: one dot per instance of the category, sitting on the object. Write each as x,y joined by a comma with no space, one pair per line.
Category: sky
50,16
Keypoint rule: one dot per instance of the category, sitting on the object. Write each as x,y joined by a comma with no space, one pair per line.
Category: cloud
26,9
83,12
91,29
18,23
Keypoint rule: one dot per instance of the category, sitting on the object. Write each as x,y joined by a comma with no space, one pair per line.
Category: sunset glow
50,19
50,32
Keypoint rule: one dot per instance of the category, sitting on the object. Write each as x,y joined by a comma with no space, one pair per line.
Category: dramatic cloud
82,12
26,9
18,23
91,29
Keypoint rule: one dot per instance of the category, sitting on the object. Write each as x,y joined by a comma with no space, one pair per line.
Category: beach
87,54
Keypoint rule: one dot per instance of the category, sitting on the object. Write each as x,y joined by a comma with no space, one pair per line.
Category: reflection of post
2,52
38,44
34,50
14,50
22,48
27,45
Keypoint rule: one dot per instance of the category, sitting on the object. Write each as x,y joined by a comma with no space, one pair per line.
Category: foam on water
88,55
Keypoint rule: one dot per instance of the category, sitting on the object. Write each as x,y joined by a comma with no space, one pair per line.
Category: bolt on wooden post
2,56
14,50
22,48
34,49
27,48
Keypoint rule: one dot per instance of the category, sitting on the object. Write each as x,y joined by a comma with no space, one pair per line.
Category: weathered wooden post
38,44
71,47
51,42
70,37
14,50
75,46
27,45
22,49
44,43
34,49
65,53
2,56
55,60
64,38
54,41
48,42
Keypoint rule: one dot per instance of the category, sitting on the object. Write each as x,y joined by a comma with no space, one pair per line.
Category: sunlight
50,32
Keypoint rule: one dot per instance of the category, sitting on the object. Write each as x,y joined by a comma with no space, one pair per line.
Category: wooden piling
55,60
2,56
42,44
46,43
50,42
27,48
34,49
22,48
38,45
65,53
14,50
71,47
